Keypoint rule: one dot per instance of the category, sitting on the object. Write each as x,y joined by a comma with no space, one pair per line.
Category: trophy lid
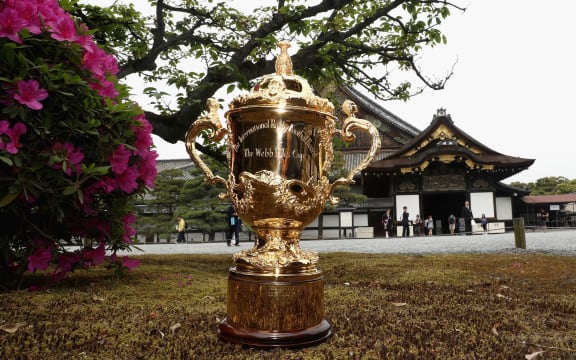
283,89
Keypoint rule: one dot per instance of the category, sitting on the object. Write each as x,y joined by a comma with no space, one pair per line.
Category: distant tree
164,200
194,48
568,187
201,205
548,185
524,186
167,188
338,170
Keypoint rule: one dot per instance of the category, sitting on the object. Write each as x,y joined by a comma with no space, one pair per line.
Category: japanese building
432,171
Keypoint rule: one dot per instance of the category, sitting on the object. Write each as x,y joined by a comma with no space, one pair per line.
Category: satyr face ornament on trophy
279,139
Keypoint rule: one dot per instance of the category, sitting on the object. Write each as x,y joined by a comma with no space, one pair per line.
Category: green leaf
8,198
69,190
6,160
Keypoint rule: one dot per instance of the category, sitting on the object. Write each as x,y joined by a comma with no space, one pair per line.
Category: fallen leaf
98,298
12,328
154,331
470,291
346,284
534,355
502,296
174,327
495,331
398,304
504,287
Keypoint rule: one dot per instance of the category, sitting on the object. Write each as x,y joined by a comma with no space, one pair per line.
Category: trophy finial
283,61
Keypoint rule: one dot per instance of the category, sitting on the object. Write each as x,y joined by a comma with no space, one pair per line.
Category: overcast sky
512,87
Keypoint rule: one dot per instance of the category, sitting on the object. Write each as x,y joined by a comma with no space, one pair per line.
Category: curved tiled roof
443,141
549,199
182,164
378,111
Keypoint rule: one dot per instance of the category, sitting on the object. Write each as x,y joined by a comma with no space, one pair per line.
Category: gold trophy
279,139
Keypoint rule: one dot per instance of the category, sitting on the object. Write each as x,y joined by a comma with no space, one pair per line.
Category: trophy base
275,310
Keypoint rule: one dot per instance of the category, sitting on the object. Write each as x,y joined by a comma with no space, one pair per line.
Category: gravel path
558,242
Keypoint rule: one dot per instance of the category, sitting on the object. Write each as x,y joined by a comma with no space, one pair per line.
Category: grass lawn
498,306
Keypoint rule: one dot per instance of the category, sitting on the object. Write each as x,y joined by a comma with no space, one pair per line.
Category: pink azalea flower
4,125
148,170
130,264
143,139
127,180
85,39
119,159
69,158
95,256
14,135
50,11
108,184
29,93
28,11
105,88
100,63
40,259
88,196
11,24
98,228
129,230
63,28
66,262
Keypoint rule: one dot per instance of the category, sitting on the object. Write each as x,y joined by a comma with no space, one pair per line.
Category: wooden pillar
519,233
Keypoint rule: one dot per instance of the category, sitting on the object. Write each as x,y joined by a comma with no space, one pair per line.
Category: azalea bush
73,149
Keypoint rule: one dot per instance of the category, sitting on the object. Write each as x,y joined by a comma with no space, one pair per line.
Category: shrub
73,149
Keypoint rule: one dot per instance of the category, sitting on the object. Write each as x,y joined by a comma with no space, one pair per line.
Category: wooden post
519,233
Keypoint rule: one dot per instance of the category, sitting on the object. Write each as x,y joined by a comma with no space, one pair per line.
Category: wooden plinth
282,310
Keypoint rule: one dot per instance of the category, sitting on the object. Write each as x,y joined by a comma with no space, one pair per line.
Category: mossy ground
499,306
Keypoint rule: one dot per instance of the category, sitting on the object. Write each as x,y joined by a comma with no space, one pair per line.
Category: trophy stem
277,249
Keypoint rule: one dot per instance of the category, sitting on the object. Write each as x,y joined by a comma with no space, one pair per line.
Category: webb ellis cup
279,139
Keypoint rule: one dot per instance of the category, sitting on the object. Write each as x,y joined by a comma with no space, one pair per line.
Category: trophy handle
353,123
216,132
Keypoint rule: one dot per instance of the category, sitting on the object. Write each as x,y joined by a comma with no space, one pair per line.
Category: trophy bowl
279,150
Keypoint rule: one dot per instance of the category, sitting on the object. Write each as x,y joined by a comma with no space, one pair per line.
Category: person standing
180,228
484,224
452,223
405,222
233,233
417,223
467,216
429,225
543,217
386,222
